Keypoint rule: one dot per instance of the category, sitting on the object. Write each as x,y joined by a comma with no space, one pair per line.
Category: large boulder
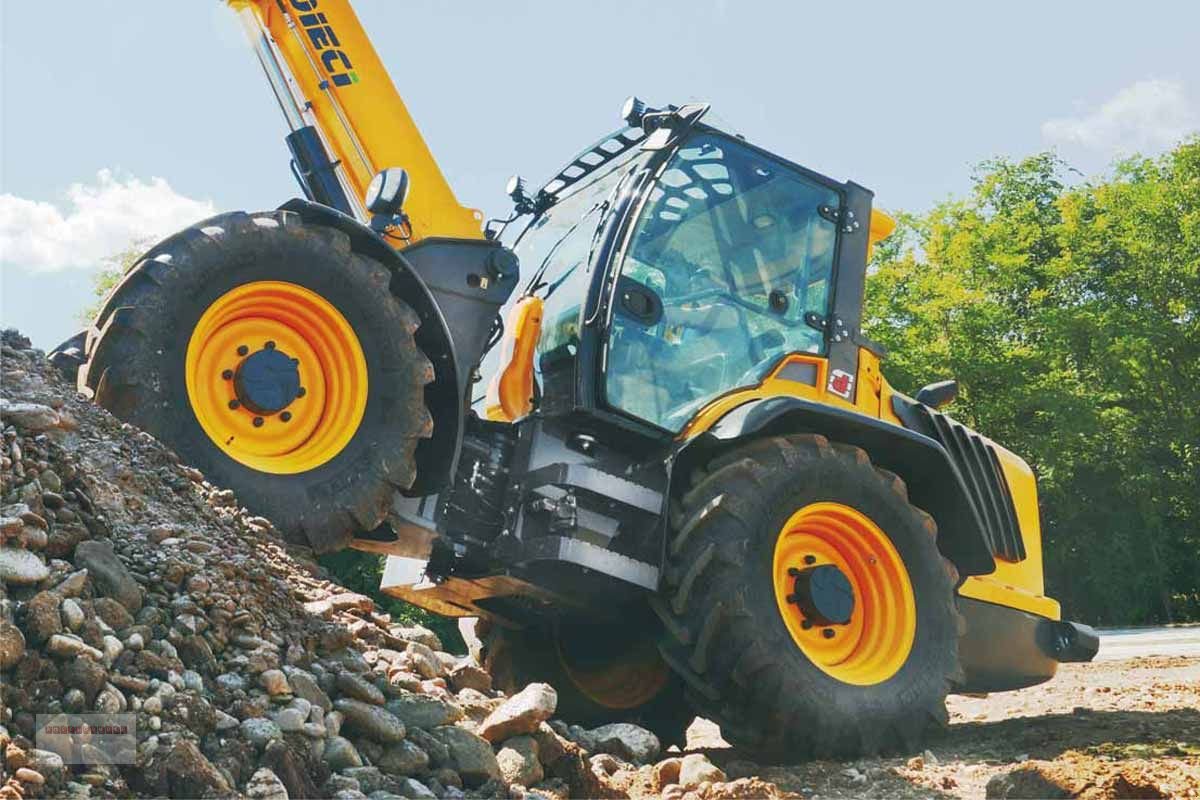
521,713
373,722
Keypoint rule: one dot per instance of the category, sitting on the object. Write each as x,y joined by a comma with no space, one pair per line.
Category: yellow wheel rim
326,410
873,644
626,680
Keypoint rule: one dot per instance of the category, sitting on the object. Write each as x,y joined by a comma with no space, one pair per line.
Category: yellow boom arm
325,73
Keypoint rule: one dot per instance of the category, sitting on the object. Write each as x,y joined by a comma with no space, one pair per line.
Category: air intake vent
979,465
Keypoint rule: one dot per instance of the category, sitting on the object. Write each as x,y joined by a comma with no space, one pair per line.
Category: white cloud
1144,117
98,220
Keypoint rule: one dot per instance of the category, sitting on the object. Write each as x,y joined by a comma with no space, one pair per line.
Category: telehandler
641,435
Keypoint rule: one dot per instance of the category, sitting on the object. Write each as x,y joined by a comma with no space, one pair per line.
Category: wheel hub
843,593
267,381
824,595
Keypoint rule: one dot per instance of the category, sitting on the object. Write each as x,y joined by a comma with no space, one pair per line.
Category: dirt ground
1111,729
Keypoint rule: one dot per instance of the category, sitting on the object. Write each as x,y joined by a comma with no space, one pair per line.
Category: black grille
987,488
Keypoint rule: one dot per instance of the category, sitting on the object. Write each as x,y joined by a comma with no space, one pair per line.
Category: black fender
456,286
934,482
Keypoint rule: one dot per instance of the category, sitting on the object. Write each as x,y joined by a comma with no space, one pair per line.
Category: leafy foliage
1070,316
110,274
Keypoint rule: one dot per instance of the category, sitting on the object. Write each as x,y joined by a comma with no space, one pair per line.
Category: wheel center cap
824,595
267,381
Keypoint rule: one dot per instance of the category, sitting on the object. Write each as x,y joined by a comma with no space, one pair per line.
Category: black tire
729,641
136,362
516,658
68,357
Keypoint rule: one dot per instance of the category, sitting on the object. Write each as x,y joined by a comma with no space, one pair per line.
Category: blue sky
122,119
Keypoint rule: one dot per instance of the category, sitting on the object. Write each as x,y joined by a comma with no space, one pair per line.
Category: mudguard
456,286
934,482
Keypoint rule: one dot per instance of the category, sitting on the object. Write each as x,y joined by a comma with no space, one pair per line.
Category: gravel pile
128,584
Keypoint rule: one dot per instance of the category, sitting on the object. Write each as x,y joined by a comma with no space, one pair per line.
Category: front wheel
274,358
810,608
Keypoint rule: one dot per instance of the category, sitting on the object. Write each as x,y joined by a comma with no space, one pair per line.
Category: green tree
1069,315
112,269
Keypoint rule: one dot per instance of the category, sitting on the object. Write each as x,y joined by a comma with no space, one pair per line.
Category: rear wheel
603,673
275,359
808,605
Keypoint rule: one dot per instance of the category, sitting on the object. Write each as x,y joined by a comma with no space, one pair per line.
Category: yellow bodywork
1015,584
335,70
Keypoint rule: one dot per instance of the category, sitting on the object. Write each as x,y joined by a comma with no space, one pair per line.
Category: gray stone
370,779
340,754
415,790
417,633
109,575
265,785
21,567
260,730
423,711
470,756
627,741
374,722
519,762
290,720
359,688
521,713
231,682
305,685
404,758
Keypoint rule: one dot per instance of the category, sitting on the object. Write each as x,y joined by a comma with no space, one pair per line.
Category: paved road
1119,643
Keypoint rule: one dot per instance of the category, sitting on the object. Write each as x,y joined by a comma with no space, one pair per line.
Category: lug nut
234,404
286,416
793,572
806,624
258,421
301,392
270,345
827,633
227,374
810,559
242,350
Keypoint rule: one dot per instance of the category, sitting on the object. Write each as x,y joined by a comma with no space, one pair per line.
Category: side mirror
938,394
387,192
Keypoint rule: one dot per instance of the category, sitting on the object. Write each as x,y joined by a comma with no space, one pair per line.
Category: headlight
387,191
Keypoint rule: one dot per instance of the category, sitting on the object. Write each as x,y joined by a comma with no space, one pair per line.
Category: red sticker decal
841,383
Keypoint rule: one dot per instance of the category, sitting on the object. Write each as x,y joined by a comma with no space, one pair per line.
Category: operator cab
671,275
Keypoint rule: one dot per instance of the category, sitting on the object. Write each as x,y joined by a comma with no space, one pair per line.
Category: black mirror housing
938,394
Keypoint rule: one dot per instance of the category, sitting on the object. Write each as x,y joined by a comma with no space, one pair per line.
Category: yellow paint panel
359,111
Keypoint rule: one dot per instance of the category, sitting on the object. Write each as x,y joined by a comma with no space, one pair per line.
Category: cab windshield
731,250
